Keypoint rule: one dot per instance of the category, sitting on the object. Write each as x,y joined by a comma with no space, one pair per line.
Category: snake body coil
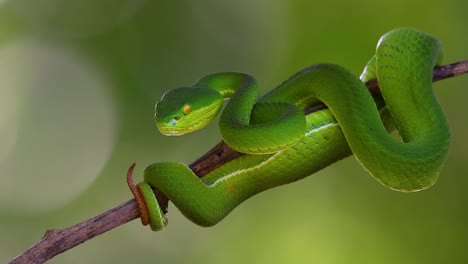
284,145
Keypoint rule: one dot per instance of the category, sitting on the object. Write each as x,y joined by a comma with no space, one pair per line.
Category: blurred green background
79,80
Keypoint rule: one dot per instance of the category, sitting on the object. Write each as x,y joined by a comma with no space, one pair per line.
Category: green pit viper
284,145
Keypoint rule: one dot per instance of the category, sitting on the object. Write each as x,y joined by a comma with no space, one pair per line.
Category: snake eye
176,118
187,109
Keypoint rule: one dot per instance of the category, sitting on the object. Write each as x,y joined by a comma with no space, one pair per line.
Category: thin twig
56,241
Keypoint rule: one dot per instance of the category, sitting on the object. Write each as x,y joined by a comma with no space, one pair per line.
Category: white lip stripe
264,163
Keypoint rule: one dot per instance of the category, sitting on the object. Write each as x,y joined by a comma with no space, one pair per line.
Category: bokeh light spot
60,125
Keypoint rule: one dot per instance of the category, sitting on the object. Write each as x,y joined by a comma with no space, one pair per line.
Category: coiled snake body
284,145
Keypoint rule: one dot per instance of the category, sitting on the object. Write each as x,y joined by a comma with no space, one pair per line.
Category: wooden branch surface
56,241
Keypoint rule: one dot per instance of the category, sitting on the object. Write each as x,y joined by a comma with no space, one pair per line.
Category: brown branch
56,241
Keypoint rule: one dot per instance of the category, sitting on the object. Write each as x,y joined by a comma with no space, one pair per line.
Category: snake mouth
170,131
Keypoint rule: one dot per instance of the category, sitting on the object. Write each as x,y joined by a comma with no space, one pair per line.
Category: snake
283,145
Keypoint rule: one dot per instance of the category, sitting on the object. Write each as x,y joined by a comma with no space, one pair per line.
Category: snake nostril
174,120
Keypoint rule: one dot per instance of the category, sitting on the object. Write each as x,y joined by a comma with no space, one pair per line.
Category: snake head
184,110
